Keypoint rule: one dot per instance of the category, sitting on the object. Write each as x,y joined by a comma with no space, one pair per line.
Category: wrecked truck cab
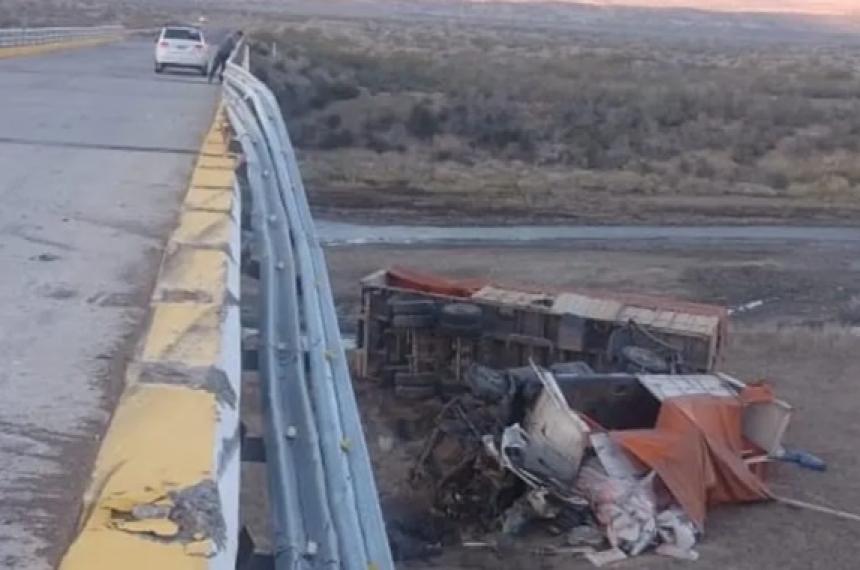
420,333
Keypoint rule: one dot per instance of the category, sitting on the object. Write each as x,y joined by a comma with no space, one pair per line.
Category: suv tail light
198,46
164,44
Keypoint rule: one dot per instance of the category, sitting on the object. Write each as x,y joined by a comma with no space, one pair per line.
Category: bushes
422,122
336,138
696,120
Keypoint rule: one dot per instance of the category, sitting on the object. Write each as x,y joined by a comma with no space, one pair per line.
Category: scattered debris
585,535
746,307
802,458
817,508
606,557
616,445
521,451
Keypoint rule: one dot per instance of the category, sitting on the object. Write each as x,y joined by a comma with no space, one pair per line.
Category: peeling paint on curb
165,490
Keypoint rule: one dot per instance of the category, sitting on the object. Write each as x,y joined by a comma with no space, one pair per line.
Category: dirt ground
804,339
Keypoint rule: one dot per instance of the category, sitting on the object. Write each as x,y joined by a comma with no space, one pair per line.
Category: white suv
181,46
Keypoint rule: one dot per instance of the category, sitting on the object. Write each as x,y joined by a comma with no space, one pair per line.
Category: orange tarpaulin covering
696,448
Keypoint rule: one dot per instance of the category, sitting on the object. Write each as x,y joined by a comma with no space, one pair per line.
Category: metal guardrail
13,37
324,502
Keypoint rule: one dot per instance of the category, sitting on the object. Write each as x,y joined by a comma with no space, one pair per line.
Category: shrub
422,122
336,139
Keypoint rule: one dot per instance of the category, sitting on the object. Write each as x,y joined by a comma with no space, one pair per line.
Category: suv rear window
181,34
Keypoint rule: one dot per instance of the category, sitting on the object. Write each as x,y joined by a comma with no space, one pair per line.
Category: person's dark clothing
219,62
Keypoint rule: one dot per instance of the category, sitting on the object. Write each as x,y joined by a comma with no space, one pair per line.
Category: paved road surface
341,233
95,154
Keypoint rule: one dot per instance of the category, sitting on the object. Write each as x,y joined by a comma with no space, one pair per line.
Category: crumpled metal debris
500,465
585,535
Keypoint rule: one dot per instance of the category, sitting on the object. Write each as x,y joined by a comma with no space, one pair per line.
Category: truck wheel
159,68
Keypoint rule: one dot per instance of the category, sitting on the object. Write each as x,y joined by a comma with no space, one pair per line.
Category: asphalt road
95,155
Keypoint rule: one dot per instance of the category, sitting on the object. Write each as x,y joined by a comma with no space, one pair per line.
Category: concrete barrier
165,489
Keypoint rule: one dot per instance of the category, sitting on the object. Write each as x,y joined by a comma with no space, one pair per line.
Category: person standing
219,62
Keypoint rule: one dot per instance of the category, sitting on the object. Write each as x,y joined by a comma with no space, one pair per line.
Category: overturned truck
599,416
420,332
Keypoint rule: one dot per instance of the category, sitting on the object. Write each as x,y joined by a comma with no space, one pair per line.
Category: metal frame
11,37
325,505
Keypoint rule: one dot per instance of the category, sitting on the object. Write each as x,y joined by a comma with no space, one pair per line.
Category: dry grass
480,121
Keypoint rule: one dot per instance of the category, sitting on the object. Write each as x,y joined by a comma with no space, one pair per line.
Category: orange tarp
697,450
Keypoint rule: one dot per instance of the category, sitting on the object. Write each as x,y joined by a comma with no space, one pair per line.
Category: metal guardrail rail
13,37
324,502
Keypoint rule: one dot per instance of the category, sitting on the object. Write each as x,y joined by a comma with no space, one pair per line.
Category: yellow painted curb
188,333
164,492
160,443
24,51
212,178
189,274
204,229
211,200
215,161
